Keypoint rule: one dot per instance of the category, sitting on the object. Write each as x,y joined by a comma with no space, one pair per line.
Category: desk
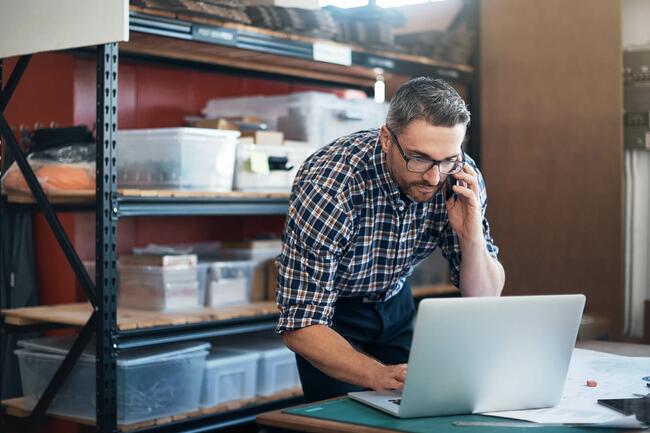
277,421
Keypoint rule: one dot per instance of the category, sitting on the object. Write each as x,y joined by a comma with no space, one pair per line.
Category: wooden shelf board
78,314
17,407
435,290
89,196
302,38
166,193
180,49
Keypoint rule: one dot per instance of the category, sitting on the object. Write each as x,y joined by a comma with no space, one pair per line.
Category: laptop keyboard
397,401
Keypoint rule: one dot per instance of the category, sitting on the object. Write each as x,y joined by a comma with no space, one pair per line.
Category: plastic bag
61,170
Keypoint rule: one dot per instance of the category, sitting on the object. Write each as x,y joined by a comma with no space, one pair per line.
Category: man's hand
465,213
387,377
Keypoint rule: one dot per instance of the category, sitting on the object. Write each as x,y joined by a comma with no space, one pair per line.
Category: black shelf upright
102,320
106,238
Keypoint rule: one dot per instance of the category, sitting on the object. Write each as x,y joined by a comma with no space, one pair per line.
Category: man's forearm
332,354
480,273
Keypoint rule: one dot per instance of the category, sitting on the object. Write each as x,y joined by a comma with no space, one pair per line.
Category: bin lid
175,133
60,345
265,346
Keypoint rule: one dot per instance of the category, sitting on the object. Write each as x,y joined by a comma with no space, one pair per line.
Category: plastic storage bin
277,369
177,158
150,383
260,252
315,117
229,375
279,178
268,108
229,283
320,118
156,288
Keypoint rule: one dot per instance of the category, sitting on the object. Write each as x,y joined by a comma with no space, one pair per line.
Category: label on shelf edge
332,53
214,34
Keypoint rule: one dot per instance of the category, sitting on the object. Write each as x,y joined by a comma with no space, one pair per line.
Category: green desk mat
349,411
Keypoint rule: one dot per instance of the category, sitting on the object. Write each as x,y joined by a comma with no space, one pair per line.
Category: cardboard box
263,252
265,138
271,281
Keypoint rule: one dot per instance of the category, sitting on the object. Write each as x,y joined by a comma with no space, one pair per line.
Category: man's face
421,140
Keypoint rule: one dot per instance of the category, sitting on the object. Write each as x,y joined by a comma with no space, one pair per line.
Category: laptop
485,354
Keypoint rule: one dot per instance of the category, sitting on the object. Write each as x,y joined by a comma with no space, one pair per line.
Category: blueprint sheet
617,377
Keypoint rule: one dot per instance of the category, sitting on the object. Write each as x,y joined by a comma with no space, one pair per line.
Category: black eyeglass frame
433,162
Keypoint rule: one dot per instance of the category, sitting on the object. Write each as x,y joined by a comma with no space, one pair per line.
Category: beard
422,192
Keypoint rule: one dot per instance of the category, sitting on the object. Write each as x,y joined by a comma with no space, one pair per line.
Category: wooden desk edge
299,423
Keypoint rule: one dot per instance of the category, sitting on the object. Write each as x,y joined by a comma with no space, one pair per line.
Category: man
363,212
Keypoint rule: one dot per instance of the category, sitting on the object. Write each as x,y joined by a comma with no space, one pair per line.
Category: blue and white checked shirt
349,232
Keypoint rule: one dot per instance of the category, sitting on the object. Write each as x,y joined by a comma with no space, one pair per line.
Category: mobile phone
630,406
449,182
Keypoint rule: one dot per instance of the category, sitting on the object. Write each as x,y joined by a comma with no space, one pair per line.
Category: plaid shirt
349,232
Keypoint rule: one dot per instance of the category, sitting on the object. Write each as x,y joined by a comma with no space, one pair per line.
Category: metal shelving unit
110,206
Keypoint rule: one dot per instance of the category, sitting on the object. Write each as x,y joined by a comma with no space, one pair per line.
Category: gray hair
432,100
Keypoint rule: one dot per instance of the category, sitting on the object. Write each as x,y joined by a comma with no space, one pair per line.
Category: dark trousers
383,330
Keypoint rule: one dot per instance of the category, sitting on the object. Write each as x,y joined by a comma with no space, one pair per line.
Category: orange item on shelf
65,177
53,178
14,180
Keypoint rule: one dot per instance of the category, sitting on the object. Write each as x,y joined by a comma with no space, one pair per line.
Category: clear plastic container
177,158
229,283
156,288
267,108
229,375
260,253
277,369
320,118
167,297
157,275
277,180
315,117
152,383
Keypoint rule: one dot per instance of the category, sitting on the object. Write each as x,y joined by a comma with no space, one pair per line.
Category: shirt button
401,207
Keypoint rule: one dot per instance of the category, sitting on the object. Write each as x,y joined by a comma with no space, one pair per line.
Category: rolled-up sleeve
316,232
449,243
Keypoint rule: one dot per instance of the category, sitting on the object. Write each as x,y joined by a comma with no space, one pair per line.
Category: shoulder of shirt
340,167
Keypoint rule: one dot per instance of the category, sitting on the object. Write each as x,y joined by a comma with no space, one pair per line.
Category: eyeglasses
422,165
